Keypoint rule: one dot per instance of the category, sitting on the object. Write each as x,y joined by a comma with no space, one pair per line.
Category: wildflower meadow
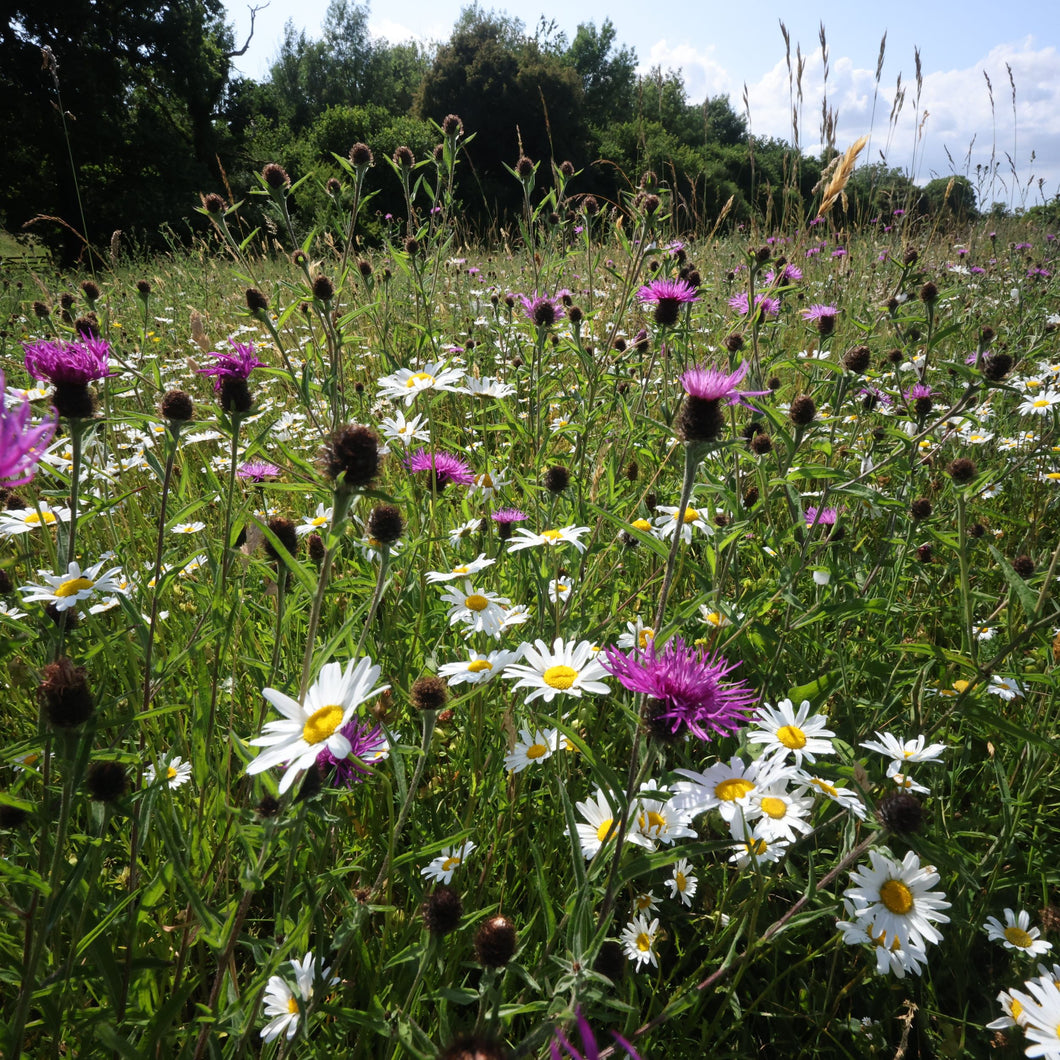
606,639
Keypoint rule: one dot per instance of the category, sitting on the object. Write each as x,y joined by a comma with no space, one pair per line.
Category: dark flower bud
234,395
590,205
803,411
651,501
143,288
557,478
474,1047
997,366
323,289
929,293
404,158
412,246
439,154
276,176
90,290
773,382
761,444
66,300
651,204
299,257
900,812
524,167
429,693
106,781
575,315
442,911
317,551
920,509
177,406
87,326
64,695
12,816
495,942
763,254
1023,566
925,552
285,534
365,269
632,471
333,187
976,530
361,155
700,419
910,257
352,453
385,524
41,310
256,301
620,344
7,586
567,169
452,125
857,359
750,496
734,342
962,470
213,203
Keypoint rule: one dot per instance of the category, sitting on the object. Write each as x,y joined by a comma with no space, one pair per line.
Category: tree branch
250,35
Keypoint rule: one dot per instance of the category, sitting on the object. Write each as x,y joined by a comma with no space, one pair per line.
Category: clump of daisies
285,1004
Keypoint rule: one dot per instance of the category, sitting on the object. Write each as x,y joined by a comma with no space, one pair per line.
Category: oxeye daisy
752,848
902,752
1040,1017
405,384
846,798
895,897
320,520
398,429
725,786
777,812
286,1004
1012,1013
479,610
66,590
659,820
667,523
174,772
531,748
478,668
315,724
441,869
461,570
683,884
637,635
638,941
194,527
600,823
787,732
567,535
567,668
1017,934
23,520
890,956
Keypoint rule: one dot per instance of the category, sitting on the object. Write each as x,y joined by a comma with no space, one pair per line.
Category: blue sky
720,48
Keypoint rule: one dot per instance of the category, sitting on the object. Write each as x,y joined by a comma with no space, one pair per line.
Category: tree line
116,117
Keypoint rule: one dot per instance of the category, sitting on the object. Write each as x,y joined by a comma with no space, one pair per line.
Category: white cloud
704,76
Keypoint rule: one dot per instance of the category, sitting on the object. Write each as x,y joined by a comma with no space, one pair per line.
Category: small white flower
1017,934
638,941
175,772
683,884
1005,687
447,862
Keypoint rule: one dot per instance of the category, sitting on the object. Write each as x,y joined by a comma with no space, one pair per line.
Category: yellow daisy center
1041,403
536,750
485,481
680,881
652,822
605,829
450,862
322,723
561,677
460,570
320,520
476,602
1016,1010
645,637
733,788
171,773
551,535
641,524
757,847
644,942
479,665
715,618
292,1006
643,902
824,786
690,516
896,897
1018,937
72,586
774,807
35,519
792,737
420,377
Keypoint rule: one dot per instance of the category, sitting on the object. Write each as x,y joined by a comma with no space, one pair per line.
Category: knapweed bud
385,524
900,812
962,470
404,158
213,204
803,410
442,911
452,125
361,155
323,289
256,301
495,942
353,454
996,366
429,693
65,697
857,359
1023,566
524,168
90,290
275,176
920,509
106,781
285,533
177,406
557,478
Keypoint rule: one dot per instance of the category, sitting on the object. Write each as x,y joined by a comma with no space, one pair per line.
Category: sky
1009,149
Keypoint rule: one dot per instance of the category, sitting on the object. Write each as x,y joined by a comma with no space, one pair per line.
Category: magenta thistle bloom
68,363
367,743
506,518
541,310
685,689
821,516
789,274
765,305
667,296
700,419
561,1046
21,444
445,467
822,316
236,365
258,471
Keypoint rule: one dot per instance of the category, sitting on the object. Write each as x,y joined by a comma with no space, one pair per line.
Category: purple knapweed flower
541,310
667,296
823,317
765,305
444,467
367,744
685,689
21,443
561,1046
700,418
821,516
258,471
236,365
71,366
